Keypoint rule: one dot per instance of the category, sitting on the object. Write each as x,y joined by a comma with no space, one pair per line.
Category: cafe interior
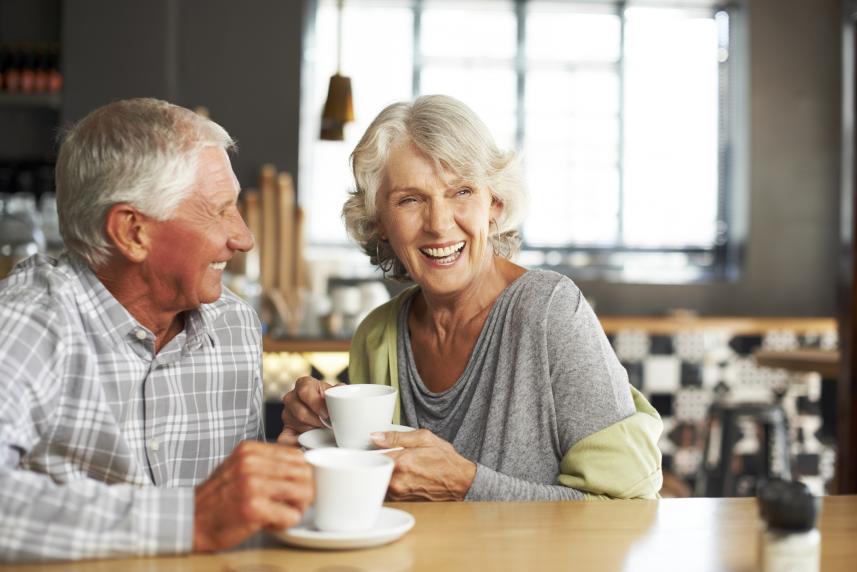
689,165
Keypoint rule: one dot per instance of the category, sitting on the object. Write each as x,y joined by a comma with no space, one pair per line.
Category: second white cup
358,410
349,488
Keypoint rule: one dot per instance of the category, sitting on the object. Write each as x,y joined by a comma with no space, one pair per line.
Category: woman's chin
444,280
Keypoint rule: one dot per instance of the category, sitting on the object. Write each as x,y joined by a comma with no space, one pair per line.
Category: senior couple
130,379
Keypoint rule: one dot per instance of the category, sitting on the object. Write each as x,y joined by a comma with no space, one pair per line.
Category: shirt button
154,445
141,334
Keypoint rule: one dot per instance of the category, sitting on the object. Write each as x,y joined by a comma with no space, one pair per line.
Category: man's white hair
142,152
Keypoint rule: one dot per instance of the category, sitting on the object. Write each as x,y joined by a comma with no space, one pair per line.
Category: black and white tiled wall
684,373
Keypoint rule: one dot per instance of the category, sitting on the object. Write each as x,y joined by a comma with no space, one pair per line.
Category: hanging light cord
339,5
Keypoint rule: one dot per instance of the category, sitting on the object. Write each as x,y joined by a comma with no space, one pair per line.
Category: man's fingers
270,461
297,494
282,516
259,485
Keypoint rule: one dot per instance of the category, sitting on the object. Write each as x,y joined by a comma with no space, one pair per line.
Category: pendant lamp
338,109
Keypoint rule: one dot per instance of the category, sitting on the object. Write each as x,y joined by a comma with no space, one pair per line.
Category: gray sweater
541,376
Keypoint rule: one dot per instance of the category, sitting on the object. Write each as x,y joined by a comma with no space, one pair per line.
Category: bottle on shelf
55,79
40,69
30,69
12,77
3,62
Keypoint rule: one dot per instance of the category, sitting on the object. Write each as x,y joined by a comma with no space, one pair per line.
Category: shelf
31,100
825,362
735,325
304,345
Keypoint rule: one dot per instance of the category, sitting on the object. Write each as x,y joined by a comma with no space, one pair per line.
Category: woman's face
437,225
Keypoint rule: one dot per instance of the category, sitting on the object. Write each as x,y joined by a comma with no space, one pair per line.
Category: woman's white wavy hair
449,133
142,152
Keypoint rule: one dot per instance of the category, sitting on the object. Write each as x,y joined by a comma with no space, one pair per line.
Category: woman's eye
407,201
464,192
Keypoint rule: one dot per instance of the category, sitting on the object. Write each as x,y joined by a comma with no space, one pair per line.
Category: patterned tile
661,374
632,345
690,346
661,346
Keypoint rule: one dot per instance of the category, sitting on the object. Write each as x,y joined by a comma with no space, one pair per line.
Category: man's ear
129,231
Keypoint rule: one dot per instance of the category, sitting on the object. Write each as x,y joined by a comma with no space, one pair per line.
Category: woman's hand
428,468
303,406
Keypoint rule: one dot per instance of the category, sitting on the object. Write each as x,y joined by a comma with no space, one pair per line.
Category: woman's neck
473,303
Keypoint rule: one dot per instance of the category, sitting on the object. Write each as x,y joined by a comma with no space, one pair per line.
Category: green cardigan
620,461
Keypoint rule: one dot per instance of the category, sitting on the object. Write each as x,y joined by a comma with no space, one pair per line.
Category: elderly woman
505,371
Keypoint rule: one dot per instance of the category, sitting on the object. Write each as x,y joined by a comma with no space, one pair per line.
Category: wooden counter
673,534
664,325
825,362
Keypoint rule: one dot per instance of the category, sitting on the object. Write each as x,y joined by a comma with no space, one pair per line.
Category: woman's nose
439,217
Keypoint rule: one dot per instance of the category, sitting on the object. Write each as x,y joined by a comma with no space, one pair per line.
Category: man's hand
260,485
302,408
428,468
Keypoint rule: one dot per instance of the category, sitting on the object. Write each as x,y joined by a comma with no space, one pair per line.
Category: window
620,112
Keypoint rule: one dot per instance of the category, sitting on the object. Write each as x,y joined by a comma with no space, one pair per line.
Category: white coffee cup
349,488
358,410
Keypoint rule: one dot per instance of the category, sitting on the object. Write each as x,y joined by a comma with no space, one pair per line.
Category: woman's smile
443,255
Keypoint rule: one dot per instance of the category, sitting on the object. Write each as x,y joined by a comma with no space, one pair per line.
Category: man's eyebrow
228,203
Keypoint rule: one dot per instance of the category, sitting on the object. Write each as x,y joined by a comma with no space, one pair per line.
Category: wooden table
672,534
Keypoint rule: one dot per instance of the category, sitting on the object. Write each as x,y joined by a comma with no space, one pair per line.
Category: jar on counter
789,541
20,232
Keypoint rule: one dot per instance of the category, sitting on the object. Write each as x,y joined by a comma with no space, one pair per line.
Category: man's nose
241,239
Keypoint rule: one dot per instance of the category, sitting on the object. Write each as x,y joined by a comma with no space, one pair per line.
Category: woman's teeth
218,265
444,255
443,252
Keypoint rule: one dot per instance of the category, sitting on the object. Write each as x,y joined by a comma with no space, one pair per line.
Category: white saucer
392,524
319,438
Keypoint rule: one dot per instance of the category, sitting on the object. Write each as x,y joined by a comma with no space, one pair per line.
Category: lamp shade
338,109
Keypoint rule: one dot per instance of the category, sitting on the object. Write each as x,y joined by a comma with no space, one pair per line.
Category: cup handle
325,422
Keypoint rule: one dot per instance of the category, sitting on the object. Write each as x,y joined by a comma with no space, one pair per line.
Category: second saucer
319,438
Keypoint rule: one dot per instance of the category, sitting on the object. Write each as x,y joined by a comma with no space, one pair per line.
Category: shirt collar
116,321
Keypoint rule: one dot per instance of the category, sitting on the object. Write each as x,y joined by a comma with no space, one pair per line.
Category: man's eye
407,201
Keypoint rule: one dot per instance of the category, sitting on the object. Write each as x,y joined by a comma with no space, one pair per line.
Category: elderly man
130,383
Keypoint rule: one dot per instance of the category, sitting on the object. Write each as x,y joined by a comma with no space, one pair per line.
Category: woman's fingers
310,392
406,439
303,405
288,437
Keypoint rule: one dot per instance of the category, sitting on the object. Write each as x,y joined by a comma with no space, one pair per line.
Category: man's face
189,252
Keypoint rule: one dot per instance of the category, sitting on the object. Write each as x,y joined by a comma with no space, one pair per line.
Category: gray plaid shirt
101,439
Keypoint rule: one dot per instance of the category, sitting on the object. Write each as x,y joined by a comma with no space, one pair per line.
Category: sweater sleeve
491,485
606,428
590,386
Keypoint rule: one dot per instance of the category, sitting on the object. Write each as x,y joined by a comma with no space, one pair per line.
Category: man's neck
130,289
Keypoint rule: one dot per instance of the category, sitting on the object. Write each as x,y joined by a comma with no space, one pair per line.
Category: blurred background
688,165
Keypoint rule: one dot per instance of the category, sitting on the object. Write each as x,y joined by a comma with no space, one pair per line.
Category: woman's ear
496,207
382,233
129,231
